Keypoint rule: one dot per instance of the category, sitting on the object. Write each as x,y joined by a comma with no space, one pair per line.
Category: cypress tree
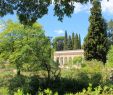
73,36
69,43
65,41
79,43
95,46
76,42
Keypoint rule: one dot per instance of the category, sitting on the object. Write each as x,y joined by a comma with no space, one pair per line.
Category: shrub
3,91
110,57
16,83
89,91
27,84
77,60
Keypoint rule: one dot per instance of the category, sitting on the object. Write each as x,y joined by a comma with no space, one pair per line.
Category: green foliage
29,11
69,80
96,46
16,83
69,43
110,31
97,91
65,41
4,91
76,41
79,43
5,8
27,84
58,43
89,91
110,57
77,60
24,45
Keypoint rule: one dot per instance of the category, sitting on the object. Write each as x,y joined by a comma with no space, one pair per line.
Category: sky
78,23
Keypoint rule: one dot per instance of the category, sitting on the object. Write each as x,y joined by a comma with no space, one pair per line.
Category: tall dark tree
65,41
69,43
110,31
95,46
79,42
76,42
73,36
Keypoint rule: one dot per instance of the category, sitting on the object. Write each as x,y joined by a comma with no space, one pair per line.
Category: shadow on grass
61,85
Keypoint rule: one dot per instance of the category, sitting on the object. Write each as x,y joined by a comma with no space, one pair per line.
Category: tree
73,36
95,45
58,43
79,43
110,31
110,57
69,43
5,7
24,45
29,11
76,42
65,41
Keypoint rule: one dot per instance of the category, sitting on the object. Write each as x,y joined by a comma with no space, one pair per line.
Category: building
65,56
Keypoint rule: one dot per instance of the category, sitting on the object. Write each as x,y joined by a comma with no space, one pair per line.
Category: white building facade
65,56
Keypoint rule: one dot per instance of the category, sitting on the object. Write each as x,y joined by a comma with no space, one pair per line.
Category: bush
16,83
3,91
89,91
77,60
27,84
110,57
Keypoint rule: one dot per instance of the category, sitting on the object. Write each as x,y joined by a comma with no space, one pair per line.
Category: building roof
69,52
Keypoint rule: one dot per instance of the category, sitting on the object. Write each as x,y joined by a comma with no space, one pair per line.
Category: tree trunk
18,72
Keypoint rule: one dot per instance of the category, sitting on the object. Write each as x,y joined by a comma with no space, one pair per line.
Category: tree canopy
58,43
24,45
28,11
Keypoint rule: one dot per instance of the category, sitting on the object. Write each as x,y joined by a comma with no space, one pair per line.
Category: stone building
65,56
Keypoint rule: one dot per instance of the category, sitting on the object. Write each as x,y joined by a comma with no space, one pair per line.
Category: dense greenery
98,91
67,42
26,54
70,81
96,43
58,43
24,45
110,57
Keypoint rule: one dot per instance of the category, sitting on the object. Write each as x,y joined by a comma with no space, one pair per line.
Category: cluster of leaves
77,60
29,11
97,91
110,57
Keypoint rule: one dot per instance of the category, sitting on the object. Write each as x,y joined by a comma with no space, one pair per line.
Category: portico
65,56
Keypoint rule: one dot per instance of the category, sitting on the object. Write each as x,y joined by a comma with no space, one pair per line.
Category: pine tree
95,46
69,43
65,41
